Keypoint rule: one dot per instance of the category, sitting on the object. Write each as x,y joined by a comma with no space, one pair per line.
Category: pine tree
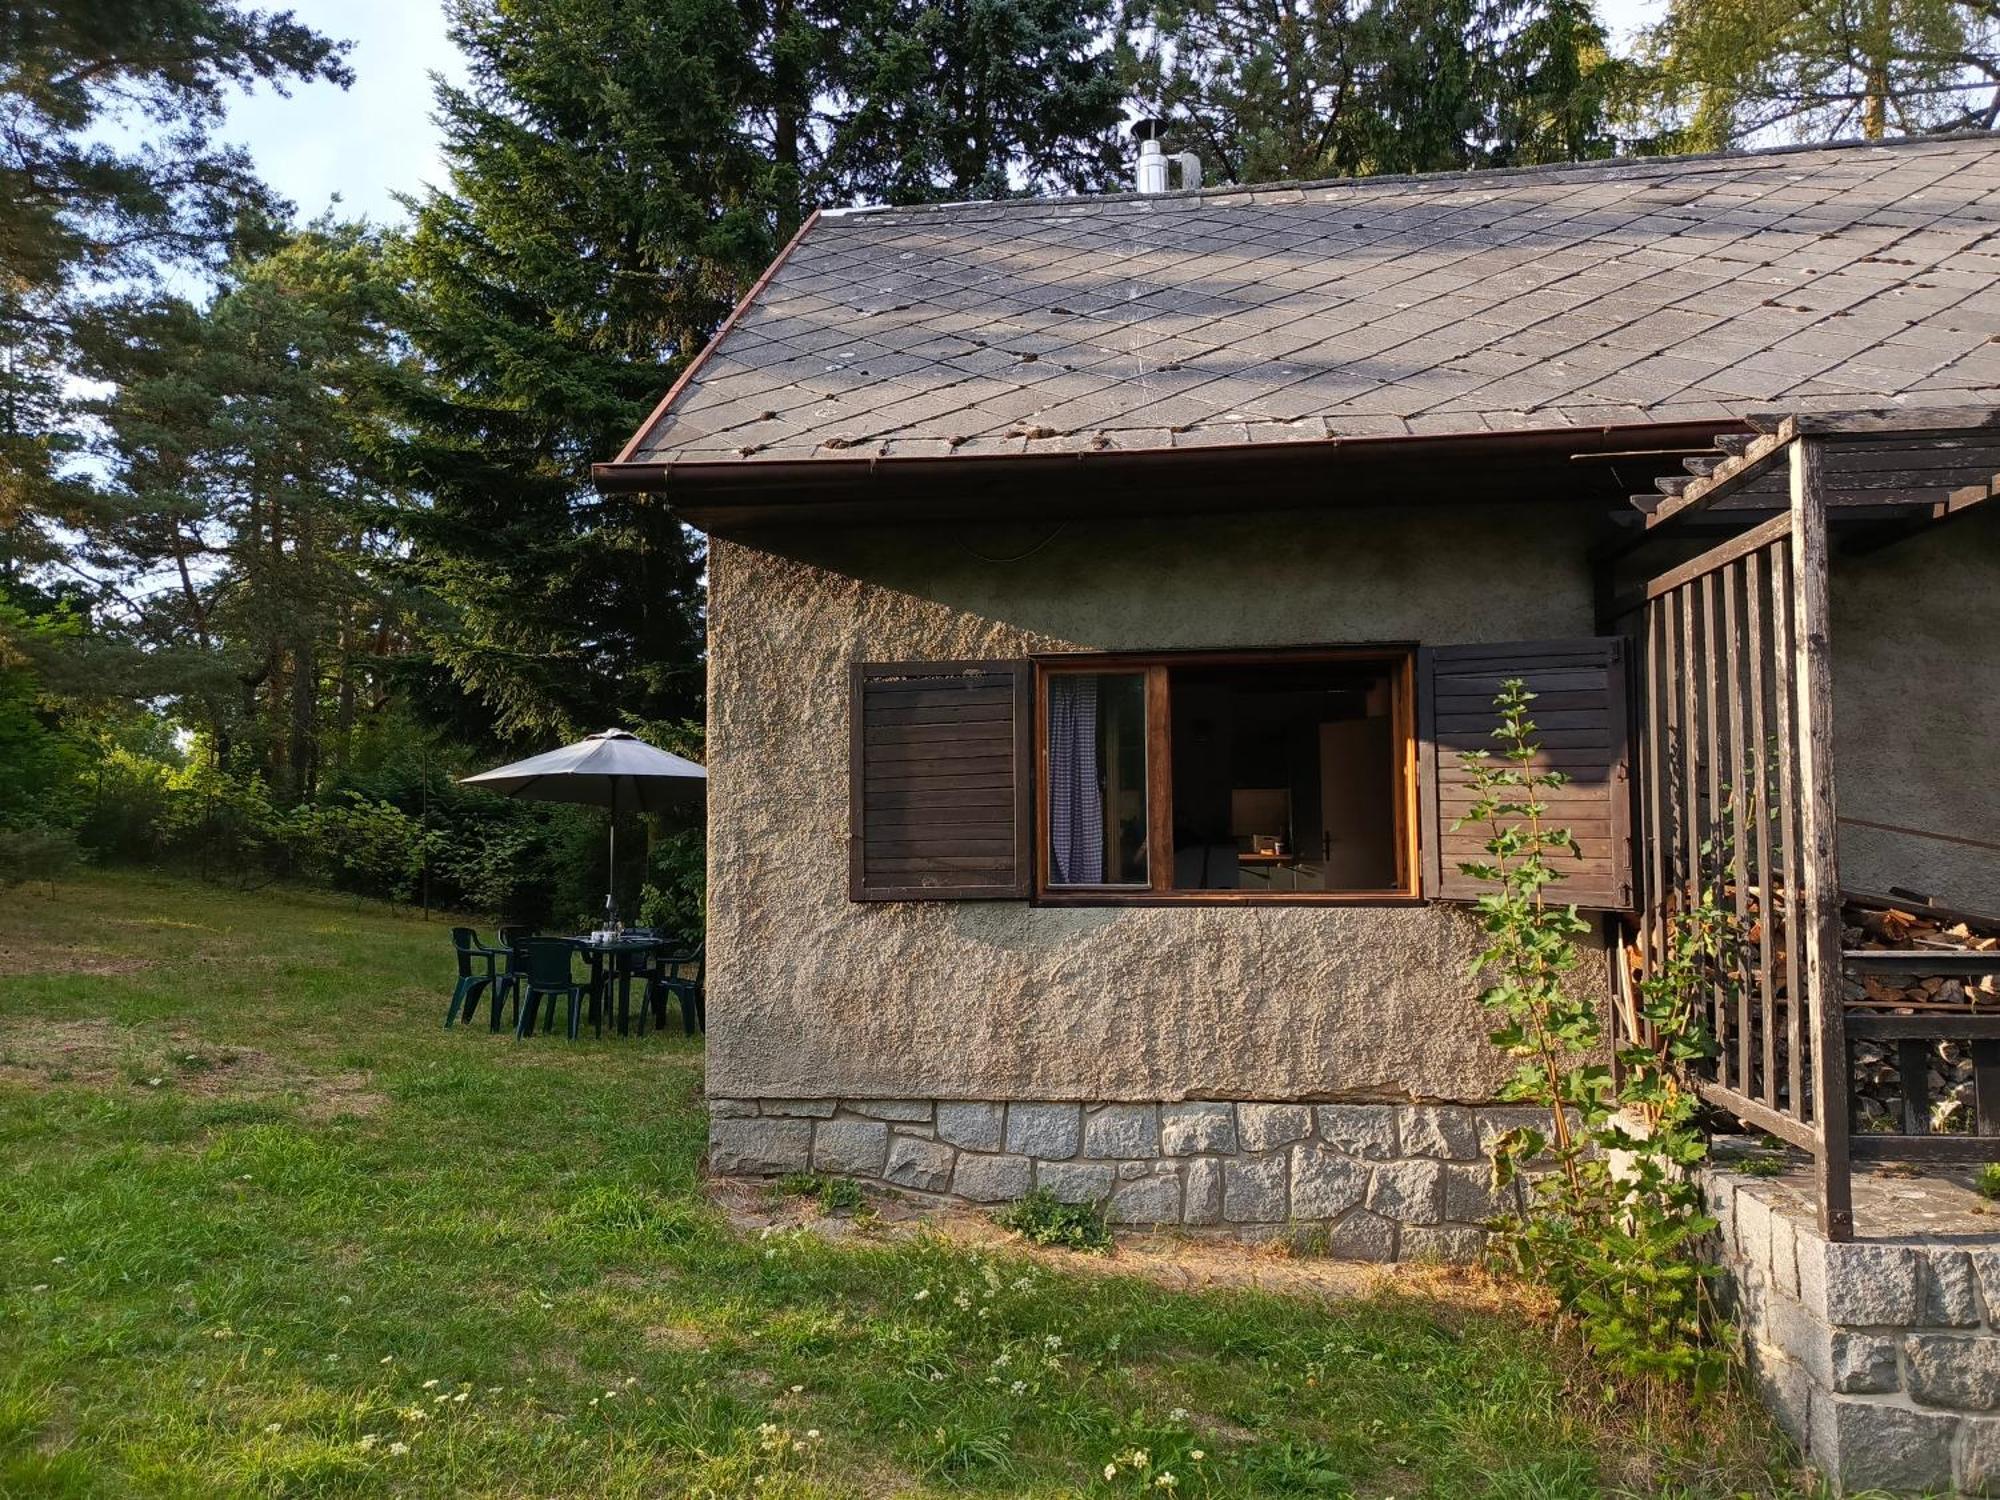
250,509
83,213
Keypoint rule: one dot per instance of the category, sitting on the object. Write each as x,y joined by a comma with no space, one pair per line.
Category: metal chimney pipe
1152,168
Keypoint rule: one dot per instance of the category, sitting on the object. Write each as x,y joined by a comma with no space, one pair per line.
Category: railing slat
1780,561
1757,801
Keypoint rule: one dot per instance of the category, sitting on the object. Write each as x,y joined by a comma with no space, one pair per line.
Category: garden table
616,953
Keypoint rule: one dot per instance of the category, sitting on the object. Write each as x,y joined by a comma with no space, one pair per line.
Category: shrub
1041,1219
1613,1226
1988,1180
36,854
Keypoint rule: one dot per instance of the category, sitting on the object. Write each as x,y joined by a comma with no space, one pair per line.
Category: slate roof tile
1621,292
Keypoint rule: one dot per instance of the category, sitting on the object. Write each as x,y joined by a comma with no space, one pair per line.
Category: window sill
1228,898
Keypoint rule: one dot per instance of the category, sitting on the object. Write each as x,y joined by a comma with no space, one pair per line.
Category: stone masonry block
973,1125
1785,1389
1050,1131
1265,1127
807,1109
1365,1130
1325,1184
732,1109
992,1179
1362,1236
1950,1300
1189,1129
1986,1271
1132,1171
1203,1201
1496,1120
1978,1468
1866,1443
1862,1362
1753,1237
1784,1264
1075,1182
857,1146
1471,1198
1441,1130
1719,1196
1409,1191
921,1165
1151,1200
1253,1190
756,1146
1855,1285
1948,1369
1454,1244
1445,1131
1129,1132
907,1110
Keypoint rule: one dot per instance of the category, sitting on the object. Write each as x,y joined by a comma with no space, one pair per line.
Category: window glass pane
1097,778
1284,777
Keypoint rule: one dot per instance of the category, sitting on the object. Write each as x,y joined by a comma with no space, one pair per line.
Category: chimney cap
1148,130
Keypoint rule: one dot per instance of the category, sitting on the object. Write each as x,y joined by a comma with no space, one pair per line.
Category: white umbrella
610,769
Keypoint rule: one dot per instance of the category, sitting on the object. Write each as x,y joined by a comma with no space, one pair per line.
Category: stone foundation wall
1382,1182
1880,1357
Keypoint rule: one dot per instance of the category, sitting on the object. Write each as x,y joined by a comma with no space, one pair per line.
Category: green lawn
269,1230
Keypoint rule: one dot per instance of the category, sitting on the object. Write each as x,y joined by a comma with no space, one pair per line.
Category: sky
367,143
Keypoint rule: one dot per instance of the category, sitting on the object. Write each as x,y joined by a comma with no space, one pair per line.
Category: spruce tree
606,206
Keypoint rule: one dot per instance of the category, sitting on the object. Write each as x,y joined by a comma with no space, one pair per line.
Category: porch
1737,779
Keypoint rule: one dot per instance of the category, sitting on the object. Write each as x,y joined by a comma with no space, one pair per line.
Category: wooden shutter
1582,716
939,797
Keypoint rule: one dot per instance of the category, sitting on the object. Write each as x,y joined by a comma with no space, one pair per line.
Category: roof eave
706,491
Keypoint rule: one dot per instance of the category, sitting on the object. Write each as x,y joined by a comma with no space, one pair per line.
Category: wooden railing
1737,781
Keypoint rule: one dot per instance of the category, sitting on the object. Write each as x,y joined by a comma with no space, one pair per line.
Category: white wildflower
1179,1414
399,1449
430,1385
1110,1471
922,1293
1166,1481
274,1427
1196,1454
369,1440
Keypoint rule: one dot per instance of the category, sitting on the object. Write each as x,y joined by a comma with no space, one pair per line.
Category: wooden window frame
1400,656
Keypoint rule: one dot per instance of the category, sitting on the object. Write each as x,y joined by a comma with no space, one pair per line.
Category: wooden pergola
1736,755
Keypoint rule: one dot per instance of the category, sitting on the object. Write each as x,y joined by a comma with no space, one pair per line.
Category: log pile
1873,925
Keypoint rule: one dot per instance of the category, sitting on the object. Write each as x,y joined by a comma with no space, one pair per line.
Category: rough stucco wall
1916,685
813,995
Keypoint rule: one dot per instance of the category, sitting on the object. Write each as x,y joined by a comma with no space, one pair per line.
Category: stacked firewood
1902,930
1873,925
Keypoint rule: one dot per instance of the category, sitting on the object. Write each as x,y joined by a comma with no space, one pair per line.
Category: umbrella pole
611,869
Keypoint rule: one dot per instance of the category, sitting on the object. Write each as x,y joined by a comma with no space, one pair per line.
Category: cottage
1101,591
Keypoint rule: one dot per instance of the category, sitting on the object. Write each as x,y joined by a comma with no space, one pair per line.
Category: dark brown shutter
939,781
1581,714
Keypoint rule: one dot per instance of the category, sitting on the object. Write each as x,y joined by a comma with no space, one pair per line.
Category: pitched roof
1607,294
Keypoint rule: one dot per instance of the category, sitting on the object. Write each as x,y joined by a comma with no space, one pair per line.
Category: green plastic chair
475,976
666,978
508,985
547,975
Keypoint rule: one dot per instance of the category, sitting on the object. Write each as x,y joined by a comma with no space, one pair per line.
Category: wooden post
1812,682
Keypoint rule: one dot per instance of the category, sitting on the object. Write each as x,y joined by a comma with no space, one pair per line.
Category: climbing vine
1614,1218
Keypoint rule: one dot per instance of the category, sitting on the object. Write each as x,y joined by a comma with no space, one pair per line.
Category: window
1226,777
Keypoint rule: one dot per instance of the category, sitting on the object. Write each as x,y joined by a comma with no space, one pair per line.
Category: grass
271,1231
